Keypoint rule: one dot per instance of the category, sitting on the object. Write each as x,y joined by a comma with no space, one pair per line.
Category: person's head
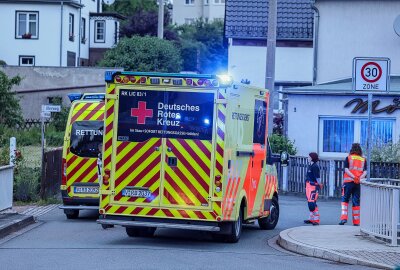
356,149
313,157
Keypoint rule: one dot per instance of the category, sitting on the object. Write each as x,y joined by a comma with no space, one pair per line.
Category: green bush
23,137
280,143
4,156
385,153
26,184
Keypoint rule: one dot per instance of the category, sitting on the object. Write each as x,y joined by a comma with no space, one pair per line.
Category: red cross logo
141,113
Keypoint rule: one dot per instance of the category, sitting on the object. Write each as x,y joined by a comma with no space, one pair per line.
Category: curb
16,224
288,243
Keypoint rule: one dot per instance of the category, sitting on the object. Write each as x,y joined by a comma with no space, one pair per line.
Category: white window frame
97,40
71,26
357,132
219,2
31,57
27,13
83,30
189,2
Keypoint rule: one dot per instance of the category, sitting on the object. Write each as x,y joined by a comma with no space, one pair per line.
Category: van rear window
86,136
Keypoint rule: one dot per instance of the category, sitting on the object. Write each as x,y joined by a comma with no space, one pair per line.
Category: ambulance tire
269,223
71,214
140,231
236,229
106,226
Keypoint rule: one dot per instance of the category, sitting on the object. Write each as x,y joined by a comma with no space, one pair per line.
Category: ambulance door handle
156,148
169,149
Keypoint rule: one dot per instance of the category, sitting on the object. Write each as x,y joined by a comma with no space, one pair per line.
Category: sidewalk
19,217
340,244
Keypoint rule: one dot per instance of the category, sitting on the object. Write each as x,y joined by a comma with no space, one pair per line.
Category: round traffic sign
371,72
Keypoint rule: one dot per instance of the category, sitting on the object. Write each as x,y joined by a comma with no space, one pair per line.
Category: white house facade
48,33
187,11
355,28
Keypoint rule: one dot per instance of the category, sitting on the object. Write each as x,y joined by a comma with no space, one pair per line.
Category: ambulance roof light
225,79
74,96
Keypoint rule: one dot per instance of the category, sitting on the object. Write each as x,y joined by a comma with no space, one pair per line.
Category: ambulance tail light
132,79
125,79
64,172
106,177
218,183
118,79
142,79
189,81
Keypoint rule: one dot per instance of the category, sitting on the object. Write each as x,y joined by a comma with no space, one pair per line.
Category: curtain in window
32,24
21,24
338,135
381,131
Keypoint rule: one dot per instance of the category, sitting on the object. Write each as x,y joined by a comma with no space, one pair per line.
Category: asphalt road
57,243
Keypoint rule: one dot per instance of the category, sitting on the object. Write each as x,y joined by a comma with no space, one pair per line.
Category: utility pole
270,63
160,32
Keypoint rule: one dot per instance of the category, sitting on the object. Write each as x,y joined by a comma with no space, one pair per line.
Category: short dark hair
356,149
313,156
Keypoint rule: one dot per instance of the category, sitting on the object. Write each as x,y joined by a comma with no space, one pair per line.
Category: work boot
307,221
343,221
356,224
314,223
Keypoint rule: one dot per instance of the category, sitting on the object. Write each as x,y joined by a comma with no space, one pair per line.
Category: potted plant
27,35
83,40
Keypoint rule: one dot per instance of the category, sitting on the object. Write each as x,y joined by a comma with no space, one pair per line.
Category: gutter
61,32
315,42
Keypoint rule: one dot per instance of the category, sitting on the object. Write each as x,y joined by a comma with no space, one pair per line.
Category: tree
280,143
203,41
144,54
10,113
129,7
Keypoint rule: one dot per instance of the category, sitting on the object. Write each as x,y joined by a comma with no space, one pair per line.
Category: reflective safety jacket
356,167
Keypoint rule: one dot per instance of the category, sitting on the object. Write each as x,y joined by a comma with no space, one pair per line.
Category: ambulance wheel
236,229
106,226
269,223
140,231
71,214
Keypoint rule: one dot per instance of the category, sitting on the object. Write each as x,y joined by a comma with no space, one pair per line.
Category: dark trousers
353,190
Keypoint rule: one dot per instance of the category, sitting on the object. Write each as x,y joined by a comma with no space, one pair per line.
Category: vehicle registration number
86,190
142,193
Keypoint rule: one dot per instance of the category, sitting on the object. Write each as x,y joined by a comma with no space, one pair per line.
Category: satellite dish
396,25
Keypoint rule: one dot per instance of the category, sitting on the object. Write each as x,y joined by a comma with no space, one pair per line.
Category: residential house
54,32
187,11
246,25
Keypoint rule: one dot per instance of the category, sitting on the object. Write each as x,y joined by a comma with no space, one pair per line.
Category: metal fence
6,186
380,209
331,174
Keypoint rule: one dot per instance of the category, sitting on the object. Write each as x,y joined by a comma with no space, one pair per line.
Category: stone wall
41,83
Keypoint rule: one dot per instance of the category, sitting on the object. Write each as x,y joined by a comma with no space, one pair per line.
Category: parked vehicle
187,152
82,154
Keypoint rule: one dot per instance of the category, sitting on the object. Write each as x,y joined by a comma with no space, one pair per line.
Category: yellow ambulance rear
81,159
186,152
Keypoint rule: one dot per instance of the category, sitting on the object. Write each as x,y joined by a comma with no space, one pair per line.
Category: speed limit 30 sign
371,74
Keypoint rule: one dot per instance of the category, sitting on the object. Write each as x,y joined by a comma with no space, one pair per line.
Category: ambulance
186,152
81,158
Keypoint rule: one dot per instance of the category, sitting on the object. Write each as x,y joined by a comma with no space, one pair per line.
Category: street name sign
51,108
371,74
45,114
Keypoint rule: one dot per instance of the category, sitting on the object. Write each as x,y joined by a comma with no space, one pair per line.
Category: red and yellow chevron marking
189,182
137,165
270,187
79,169
107,140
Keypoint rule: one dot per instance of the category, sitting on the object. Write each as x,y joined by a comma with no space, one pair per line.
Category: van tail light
64,172
106,177
218,183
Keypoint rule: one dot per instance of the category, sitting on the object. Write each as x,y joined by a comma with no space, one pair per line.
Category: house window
83,31
219,1
71,27
338,134
189,20
99,31
27,24
26,61
189,2
206,2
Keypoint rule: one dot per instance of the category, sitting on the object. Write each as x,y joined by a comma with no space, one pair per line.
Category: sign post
370,75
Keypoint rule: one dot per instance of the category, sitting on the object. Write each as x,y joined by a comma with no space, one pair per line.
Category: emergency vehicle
82,154
187,152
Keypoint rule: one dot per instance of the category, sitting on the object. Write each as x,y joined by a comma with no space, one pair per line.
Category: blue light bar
74,96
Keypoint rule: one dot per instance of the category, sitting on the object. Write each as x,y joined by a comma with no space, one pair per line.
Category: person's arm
316,173
364,174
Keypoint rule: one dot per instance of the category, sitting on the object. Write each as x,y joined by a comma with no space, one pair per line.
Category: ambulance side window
86,137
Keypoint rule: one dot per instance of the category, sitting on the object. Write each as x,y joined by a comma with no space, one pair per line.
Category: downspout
61,32
79,34
315,42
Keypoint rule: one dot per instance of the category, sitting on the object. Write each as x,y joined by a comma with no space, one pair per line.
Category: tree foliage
129,7
280,143
147,54
202,46
385,153
10,112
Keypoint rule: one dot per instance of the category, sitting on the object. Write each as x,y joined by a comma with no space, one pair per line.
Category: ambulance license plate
86,190
141,193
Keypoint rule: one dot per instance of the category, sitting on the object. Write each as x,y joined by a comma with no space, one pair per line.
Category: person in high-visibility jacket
355,169
313,185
